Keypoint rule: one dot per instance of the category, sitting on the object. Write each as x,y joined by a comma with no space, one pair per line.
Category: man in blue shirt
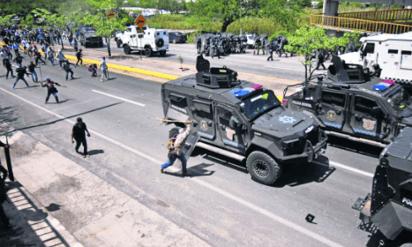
103,67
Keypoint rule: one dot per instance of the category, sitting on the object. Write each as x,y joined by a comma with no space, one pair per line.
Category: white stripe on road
116,97
245,203
333,163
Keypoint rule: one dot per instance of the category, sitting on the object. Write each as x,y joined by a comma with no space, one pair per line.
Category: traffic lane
210,221
286,68
219,226
164,134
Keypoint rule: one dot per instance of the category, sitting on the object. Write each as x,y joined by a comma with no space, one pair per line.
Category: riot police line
223,44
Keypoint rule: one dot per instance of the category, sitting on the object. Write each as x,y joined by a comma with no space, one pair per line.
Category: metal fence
381,15
345,23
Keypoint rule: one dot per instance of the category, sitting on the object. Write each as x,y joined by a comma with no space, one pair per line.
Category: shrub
283,33
254,25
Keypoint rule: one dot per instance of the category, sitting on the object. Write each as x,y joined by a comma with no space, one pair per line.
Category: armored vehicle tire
162,53
148,52
126,49
173,132
263,168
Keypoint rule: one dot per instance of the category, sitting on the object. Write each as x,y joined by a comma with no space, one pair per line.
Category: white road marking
367,174
116,97
245,203
273,67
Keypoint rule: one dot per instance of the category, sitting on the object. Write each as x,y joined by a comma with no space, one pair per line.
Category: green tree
24,7
53,20
306,40
96,16
6,20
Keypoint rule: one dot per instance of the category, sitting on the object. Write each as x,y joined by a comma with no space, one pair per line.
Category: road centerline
226,194
119,98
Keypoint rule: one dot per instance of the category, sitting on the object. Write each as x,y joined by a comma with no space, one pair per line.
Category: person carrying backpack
175,147
18,60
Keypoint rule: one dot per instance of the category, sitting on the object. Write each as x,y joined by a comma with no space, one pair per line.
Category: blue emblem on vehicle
286,119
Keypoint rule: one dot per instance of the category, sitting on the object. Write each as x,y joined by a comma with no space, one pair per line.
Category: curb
120,67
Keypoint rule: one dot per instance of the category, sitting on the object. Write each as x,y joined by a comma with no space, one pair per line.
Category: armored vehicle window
369,48
406,53
400,100
178,101
392,51
203,110
364,105
260,103
333,98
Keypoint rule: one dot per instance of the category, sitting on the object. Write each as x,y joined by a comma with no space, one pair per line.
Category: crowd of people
35,44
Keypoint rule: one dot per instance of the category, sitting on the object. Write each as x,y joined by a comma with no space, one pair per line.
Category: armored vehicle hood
283,123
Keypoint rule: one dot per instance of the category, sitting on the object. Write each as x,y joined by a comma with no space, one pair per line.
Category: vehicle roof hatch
214,77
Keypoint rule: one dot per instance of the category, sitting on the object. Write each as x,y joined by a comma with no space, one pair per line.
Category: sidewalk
91,211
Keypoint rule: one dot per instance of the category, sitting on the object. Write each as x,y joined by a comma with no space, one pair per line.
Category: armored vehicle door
202,112
332,110
133,40
233,131
140,40
367,117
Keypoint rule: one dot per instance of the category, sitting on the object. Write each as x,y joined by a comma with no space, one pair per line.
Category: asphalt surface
219,203
281,67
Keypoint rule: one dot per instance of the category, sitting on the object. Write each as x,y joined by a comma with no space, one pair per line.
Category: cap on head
48,79
79,120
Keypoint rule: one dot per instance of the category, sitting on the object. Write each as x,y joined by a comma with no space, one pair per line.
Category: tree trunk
226,23
306,73
108,46
61,39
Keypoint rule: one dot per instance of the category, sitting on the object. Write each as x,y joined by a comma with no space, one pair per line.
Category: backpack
171,144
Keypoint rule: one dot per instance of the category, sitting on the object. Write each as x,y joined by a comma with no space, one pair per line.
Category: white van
393,53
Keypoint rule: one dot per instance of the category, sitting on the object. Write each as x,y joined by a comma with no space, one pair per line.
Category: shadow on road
305,173
63,119
95,152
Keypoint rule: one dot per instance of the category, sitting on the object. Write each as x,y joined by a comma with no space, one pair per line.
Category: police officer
79,134
320,58
3,195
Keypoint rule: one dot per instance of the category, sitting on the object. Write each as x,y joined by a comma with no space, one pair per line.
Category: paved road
220,203
281,67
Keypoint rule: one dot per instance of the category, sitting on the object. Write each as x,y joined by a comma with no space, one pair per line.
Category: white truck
148,40
393,53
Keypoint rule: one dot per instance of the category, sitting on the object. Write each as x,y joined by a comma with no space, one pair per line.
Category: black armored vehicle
242,119
389,207
354,103
88,37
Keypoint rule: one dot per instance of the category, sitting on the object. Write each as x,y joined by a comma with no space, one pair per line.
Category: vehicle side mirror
376,111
